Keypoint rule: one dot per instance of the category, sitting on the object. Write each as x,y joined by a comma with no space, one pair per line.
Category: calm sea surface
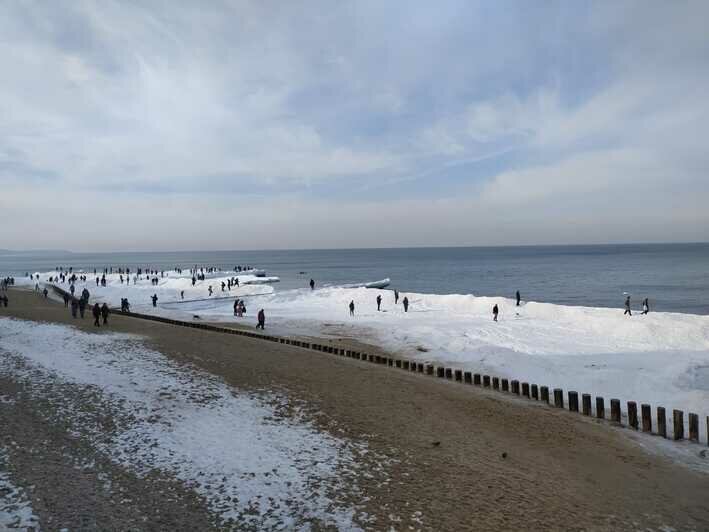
674,276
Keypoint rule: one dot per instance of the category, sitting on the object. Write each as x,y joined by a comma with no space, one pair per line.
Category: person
71,289
627,307
261,319
223,286
396,297
194,280
236,307
379,302
237,282
495,312
82,307
210,289
518,297
97,314
74,307
312,284
104,313
45,292
352,308
405,301
646,306
5,300
154,297
182,294
66,299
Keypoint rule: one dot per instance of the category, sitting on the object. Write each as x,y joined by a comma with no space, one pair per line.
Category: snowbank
661,358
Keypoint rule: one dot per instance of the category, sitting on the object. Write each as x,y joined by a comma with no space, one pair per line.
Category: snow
661,359
254,456
15,507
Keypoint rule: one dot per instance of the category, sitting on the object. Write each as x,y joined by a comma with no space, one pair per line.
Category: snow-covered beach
660,358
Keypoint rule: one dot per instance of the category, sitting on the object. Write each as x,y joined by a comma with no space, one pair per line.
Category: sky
172,125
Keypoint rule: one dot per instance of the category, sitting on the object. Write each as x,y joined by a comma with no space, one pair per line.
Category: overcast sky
256,125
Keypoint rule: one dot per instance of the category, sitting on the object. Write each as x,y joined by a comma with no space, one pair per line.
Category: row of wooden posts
523,389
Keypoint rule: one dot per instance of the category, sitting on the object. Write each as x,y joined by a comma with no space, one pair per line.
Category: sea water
675,277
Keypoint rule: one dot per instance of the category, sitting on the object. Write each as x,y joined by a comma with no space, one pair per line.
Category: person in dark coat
104,313
396,296
97,314
74,307
646,306
627,307
46,293
66,300
154,297
379,302
405,301
518,297
261,319
495,312
82,307
352,306
312,284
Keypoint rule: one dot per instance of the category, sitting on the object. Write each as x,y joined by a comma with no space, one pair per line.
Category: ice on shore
660,358
254,464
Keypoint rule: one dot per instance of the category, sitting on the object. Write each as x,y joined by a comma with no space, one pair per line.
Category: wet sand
465,458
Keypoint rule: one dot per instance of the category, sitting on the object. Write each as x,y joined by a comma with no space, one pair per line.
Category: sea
675,277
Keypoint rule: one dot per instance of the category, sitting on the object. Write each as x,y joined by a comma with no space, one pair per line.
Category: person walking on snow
352,308
518,297
82,307
154,297
210,290
74,307
379,302
104,313
646,306
495,312
405,301
312,284
627,307
97,314
396,296
261,320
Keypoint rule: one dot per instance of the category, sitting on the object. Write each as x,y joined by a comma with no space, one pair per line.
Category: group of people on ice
404,302
628,312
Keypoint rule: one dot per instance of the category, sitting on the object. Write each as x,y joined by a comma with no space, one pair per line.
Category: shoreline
398,415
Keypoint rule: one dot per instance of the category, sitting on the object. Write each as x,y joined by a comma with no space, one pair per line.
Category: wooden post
468,377
600,408
633,414
573,401
586,404
515,387
486,381
419,367
449,373
476,379
535,392
405,364
496,383
661,422
558,398
440,372
678,422
544,393
525,389
429,369
615,410
505,385
390,361
646,415
398,363
371,358
693,427
459,375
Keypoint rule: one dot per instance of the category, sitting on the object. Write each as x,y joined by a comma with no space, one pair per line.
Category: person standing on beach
74,307
396,296
261,320
379,302
627,307
182,294
236,306
405,301
104,313
210,290
66,299
154,297
518,297
495,312
646,306
71,289
45,292
312,284
352,308
97,314
82,307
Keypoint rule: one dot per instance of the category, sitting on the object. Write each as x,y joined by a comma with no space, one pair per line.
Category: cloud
364,124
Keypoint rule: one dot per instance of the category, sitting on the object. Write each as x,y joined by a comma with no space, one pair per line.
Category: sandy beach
440,456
